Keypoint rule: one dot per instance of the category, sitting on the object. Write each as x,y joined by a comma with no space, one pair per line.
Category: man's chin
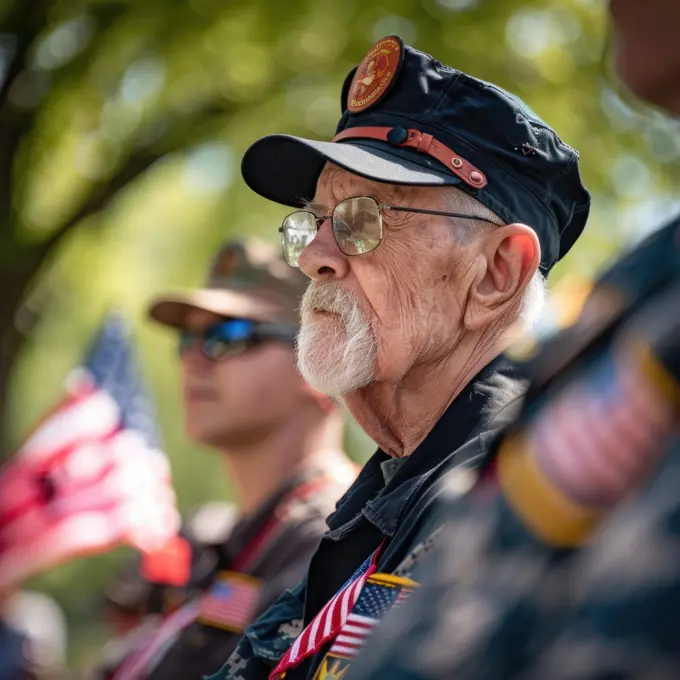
326,386
226,438
330,363
315,378
331,378
203,436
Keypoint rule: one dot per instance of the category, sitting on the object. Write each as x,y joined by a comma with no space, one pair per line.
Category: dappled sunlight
125,130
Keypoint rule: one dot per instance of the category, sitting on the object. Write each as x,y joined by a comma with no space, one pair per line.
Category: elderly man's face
375,316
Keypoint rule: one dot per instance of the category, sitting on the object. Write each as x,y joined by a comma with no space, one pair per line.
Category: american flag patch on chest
231,602
381,593
328,622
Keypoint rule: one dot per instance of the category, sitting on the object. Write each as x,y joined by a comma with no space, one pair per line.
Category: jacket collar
474,412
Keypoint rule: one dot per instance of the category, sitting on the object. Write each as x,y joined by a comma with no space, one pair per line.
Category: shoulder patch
231,602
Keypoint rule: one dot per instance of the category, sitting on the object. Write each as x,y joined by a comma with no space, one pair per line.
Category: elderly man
425,226
281,444
572,566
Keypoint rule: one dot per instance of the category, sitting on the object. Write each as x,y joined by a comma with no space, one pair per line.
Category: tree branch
103,195
178,137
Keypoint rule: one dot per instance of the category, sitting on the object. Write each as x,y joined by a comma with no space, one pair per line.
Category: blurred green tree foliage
106,104
121,128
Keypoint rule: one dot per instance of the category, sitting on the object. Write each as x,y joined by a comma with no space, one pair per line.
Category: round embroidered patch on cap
375,74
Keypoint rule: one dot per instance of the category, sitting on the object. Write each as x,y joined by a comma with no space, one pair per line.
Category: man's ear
508,258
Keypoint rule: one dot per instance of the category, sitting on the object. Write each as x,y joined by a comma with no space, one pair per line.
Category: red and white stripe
325,625
358,628
596,442
111,488
235,609
353,635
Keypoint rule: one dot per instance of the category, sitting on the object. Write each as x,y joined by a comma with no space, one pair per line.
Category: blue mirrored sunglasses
235,336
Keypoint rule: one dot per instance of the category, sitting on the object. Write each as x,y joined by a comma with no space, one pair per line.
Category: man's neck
398,416
259,468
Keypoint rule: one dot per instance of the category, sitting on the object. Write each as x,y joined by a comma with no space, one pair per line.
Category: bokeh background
122,124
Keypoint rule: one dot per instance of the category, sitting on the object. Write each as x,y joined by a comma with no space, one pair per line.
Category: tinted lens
227,337
297,232
357,225
233,330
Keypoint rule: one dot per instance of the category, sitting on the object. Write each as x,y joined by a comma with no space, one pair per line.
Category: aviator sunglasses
357,225
235,336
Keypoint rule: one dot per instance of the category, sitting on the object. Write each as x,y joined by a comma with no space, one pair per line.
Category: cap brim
173,310
285,169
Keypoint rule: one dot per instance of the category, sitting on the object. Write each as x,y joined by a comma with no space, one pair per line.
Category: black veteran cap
408,119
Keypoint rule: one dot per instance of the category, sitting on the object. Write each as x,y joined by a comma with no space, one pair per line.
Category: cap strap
423,142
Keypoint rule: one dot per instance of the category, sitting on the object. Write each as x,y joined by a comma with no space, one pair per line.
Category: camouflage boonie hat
247,280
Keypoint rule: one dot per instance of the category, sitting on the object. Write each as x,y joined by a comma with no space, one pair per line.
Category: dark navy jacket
379,509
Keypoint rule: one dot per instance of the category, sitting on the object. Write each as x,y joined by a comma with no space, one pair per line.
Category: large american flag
91,476
328,622
379,595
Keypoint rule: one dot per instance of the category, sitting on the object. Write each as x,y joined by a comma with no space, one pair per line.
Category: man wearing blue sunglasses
281,442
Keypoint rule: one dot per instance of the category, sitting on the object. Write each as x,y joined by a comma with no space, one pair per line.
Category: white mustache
329,297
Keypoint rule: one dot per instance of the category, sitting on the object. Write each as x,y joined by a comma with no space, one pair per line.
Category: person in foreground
427,226
281,443
571,564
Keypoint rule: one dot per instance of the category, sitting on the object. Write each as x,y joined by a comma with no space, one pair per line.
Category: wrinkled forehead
335,184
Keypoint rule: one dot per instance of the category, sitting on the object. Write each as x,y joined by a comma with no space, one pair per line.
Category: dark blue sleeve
495,604
623,620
